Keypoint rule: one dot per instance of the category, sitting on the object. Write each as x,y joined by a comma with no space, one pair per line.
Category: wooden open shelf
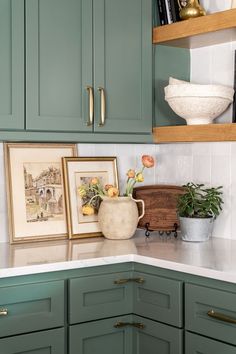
198,32
197,133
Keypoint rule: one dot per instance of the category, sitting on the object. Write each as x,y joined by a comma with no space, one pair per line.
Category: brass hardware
102,107
221,317
133,324
124,281
91,105
191,10
3,312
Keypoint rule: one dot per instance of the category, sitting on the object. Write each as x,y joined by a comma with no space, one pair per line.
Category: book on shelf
161,8
168,11
174,6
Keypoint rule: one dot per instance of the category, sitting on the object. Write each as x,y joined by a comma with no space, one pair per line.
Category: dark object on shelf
160,208
234,101
174,7
161,7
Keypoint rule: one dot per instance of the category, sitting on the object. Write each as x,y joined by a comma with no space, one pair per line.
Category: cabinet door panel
159,298
58,64
199,300
123,64
199,345
157,338
47,342
31,307
101,337
99,297
12,64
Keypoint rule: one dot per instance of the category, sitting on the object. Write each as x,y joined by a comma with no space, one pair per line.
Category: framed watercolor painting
81,172
35,190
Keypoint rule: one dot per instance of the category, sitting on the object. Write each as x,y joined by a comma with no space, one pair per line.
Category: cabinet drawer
95,297
31,307
45,342
199,301
160,299
125,335
196,344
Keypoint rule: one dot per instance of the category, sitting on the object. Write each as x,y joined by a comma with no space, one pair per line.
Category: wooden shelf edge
185,32
194,133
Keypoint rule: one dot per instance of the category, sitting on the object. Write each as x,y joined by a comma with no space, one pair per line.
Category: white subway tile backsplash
209,163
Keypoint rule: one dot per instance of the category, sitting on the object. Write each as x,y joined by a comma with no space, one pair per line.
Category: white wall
210,163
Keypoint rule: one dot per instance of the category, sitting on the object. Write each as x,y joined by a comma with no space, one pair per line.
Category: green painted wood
58,64
199,300
157,338
159,298
97,297
75,137
12,64
196,344
46,342
101,337
31,307
168,61
123,64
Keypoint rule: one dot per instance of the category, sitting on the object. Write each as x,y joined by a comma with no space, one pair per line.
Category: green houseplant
197,208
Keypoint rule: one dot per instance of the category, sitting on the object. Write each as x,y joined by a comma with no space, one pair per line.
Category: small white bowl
198,104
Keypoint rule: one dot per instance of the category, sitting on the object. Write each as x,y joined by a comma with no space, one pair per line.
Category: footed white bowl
198,104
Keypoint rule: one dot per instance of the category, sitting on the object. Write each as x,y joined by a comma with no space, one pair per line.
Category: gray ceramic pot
196,230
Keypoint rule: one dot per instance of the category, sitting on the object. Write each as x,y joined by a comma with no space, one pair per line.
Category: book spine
162,12
168,11
174,8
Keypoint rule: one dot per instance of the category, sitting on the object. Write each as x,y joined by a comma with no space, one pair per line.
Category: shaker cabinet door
58,64
12,64
123,66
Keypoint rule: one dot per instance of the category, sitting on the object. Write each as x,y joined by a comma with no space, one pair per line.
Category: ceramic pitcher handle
143,206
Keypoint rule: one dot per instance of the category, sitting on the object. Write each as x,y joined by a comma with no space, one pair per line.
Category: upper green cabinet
12,64
58,64
86,64
123,65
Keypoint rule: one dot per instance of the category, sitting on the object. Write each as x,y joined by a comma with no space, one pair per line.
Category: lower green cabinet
101,337
155,338
196,344
45,342
125,335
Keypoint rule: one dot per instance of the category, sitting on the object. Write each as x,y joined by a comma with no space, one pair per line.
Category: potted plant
197,208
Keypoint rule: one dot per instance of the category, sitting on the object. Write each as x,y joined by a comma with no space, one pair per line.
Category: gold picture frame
35,190
79,171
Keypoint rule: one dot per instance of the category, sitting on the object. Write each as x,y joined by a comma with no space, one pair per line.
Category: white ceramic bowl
198,104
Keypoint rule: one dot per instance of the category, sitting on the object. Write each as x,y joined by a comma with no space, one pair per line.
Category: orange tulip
113,192
131,173
148,161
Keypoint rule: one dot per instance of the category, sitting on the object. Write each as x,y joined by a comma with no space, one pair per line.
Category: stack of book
168,11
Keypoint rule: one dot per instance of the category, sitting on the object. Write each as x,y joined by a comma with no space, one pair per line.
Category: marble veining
214,258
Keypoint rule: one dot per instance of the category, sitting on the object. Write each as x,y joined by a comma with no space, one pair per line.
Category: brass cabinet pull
123,281
3,312
102,107
221,317
91,105
133,324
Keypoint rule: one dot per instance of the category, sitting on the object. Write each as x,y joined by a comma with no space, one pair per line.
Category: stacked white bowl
197,104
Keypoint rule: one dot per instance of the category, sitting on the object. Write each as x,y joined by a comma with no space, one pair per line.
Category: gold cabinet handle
221,317
3,312
124,281
102,107
91,105
133,324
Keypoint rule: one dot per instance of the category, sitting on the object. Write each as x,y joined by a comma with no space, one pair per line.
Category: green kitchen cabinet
45,342
31,307
196,344
12,64
125,335
89,66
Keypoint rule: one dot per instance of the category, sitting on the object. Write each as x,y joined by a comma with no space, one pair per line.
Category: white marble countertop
215,258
